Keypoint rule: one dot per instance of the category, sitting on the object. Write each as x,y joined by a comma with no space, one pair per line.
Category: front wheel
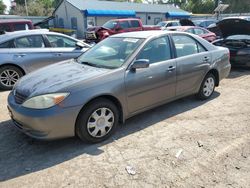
97,121
207,87
9,76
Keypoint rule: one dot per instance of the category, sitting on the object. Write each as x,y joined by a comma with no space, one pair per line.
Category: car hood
234,26
97,28
57,78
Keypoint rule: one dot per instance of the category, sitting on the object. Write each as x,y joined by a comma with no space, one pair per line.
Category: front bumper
91,37
240,61
46,124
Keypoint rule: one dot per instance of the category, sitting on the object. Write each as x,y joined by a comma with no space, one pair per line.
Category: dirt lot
212,139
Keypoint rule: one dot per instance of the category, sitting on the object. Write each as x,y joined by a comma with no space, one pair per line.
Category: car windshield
110,53
110,24
162,24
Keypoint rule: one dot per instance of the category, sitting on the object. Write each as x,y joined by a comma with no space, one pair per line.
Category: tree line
46,7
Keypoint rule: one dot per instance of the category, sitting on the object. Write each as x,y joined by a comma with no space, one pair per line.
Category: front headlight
45,101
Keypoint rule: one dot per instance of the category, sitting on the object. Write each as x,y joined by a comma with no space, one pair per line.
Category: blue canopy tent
177,15
110,13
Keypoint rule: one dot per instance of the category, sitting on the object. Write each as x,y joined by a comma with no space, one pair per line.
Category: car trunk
234,26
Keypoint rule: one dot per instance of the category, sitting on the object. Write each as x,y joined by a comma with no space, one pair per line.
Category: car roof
201,20
182,27
169,21
15,34
124,19
143,34
14,21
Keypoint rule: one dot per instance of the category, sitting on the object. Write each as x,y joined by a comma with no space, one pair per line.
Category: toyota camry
119,77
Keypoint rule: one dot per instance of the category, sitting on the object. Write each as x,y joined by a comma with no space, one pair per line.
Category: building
81,14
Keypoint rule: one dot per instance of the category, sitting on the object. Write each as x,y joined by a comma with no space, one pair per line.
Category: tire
99,117
8,76
207,87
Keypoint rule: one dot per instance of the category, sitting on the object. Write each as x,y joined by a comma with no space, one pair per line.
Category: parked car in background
169,23
236,37
204,23
24,51
96,34
10,25
201,32
119,77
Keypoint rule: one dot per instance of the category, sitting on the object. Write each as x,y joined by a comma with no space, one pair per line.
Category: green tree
237,6
55,3
199,7
135,1
2,7
35,7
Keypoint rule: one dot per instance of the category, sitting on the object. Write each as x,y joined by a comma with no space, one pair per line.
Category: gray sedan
24,51
118,78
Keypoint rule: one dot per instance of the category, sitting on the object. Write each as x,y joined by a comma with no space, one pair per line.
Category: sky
7,3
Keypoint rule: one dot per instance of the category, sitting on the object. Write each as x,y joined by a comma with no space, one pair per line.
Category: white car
22,52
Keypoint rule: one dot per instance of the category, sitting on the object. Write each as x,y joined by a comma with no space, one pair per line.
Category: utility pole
26,8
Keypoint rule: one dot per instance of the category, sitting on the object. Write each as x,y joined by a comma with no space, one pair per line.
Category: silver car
118,78
24,51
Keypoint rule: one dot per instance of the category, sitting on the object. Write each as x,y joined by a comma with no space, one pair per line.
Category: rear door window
35,41
175,24
198,31
190,31
135,23
124,24
186,45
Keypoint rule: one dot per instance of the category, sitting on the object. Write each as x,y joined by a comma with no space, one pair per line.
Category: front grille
19,98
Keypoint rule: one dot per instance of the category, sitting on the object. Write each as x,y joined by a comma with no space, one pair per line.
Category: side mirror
140,64
80,45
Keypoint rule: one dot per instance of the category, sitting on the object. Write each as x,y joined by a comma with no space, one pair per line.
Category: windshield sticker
130,40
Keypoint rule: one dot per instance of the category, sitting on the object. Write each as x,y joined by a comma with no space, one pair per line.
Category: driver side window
156,50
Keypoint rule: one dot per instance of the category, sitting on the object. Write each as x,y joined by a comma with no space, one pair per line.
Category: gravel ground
187,143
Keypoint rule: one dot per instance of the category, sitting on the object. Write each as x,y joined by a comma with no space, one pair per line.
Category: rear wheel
97,121
9,76
207,87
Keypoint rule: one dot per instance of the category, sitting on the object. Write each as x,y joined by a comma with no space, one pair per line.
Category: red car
202,32
96,34
9,25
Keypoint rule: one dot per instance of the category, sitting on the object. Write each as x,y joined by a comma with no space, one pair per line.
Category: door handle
58,54
171,68
20,55
205,59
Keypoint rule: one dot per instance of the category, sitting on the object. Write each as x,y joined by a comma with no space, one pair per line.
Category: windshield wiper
88,63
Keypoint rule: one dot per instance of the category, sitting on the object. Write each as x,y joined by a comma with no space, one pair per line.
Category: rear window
21,26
